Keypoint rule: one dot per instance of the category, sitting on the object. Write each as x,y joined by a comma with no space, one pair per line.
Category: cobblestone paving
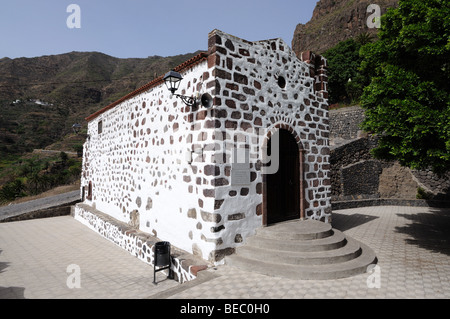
411,243
35,256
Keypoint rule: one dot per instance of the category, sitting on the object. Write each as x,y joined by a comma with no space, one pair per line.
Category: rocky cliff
334,21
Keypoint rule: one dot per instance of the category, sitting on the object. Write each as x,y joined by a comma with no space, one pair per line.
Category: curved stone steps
296,230
334,241
303,250
347,252
317,272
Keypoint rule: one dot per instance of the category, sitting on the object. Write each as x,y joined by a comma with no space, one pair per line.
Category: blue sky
142,28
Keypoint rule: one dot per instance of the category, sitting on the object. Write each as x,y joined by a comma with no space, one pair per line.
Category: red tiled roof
188,64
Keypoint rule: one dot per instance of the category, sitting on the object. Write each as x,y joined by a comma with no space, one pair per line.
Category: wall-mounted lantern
173,79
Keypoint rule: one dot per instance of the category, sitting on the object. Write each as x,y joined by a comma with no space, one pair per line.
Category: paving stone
414,262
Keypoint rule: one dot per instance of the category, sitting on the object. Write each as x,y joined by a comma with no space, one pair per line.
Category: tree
364,38
12,190
64,157
407,101
343,63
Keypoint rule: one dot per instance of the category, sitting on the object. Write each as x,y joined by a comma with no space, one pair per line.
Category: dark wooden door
283,188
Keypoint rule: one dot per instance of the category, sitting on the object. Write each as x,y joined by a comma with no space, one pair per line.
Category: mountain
42,97
334,21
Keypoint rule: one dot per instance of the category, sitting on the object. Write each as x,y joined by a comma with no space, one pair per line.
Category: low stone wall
356,175
62,210
361,178
139,244
439,186
338,205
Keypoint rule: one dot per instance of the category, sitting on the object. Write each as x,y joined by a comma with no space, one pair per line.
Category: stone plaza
411,243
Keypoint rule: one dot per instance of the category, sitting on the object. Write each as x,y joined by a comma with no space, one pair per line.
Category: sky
141,28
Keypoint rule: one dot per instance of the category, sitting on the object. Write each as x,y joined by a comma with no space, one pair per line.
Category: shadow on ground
10,292
3,265
345,222
430,230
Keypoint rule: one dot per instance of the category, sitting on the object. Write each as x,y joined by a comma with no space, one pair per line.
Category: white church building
252,151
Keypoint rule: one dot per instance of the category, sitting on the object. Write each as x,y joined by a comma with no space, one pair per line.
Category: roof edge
202,56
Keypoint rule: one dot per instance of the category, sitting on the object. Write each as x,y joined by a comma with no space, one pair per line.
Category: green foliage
364,38
79,149
12,190
64,157
408,101
35,175
345,84
423,194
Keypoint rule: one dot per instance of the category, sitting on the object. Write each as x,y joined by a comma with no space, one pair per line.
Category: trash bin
162,259
162,254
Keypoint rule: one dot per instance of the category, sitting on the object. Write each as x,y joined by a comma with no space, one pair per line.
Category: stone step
345,269
303,250
296,230
349,251
335,241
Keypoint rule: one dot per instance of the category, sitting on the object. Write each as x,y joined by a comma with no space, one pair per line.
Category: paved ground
412,245
38,258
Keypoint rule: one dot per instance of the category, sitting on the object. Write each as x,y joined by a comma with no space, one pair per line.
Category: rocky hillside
41,98
334,21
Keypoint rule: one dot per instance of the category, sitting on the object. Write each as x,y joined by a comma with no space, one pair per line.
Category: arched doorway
282,190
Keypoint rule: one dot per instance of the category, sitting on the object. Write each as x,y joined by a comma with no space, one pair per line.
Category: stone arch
301,180
278,126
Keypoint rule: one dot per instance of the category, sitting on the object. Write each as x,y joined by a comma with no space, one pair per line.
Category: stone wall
355,174
169,169
437,186
396,181
345,124
60,210
138,165
137,243
262,87
361,179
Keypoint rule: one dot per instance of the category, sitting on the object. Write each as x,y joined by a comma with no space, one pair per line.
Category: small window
100,127
89,195
281,82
